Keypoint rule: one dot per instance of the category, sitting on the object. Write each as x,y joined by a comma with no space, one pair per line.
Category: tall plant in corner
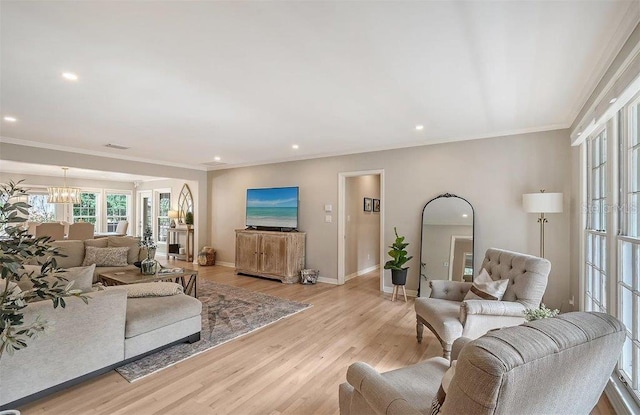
18,248
399,258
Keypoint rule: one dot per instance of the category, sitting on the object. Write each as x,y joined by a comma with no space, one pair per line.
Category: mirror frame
473,228
185,202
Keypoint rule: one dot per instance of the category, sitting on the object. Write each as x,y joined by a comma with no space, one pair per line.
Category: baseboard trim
226,264
410,293
361,272
620,398
328,280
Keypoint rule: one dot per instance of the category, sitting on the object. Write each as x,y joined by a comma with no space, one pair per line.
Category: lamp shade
173,214
542,202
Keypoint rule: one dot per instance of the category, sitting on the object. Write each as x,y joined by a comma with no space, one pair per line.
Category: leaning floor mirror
446,251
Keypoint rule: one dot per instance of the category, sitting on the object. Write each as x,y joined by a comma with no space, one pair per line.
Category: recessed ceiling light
419,127
70,76
216,158
464,215
613,100
10,119
295,146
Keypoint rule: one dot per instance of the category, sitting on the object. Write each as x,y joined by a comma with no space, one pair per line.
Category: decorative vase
399,276
148,266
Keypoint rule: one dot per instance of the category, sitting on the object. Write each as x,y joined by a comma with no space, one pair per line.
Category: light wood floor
291,367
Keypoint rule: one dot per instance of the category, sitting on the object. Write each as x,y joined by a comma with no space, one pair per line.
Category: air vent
214,163
117,146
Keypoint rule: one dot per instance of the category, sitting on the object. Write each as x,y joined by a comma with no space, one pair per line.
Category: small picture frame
368,204
376,205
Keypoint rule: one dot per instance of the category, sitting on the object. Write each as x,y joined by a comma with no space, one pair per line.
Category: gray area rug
227,313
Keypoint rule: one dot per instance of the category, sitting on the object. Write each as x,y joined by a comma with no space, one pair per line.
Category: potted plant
149,265
531,314
188,219
399,258
18,247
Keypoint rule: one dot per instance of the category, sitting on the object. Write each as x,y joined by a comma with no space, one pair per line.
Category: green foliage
18,247
531,314
188,218
398,253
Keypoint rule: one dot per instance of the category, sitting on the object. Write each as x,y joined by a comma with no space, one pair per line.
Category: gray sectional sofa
87,340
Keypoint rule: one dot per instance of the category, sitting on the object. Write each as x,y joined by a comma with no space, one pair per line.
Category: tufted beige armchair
449,316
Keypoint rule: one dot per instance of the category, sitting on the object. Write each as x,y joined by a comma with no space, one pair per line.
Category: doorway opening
360,224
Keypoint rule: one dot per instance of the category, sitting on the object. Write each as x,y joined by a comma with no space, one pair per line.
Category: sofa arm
449,290
82,338
382,397
458,344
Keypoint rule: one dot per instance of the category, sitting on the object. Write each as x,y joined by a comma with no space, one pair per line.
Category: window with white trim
628,244
596,281
88,210
117,209
164,204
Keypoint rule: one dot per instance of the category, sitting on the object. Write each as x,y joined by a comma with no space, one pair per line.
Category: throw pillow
438,400
153,289
82,277
484,288
132,244
73,251
106,257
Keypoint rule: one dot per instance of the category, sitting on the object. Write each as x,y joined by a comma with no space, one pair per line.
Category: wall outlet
368,256
572,300
445,264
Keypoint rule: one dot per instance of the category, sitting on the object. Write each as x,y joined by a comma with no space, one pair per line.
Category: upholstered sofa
553,366
74,251
89,339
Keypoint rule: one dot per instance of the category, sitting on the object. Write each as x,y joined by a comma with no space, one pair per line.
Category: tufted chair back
528,275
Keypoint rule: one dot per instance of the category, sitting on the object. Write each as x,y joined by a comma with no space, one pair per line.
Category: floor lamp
542,203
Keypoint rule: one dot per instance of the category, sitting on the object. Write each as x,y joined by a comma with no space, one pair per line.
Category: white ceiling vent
117,146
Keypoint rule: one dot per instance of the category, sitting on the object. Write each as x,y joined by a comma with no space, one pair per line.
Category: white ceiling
183,82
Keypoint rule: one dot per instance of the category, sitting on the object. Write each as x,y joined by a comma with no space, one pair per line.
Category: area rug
227,313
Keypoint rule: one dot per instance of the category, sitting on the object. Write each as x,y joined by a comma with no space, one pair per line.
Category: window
628,243
117,209
164,204
596,282
87,209
41,210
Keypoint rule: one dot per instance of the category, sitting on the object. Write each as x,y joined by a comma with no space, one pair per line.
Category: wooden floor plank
293,366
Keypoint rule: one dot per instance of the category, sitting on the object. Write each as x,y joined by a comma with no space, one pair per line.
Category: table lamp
173,214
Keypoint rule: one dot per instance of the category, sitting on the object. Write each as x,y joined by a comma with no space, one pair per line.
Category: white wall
362,233
492,174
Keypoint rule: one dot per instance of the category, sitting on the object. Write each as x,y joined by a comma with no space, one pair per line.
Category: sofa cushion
74,251
150,313
106,257
98,243
82,277
125,241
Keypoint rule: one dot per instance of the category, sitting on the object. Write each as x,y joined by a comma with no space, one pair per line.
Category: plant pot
399,276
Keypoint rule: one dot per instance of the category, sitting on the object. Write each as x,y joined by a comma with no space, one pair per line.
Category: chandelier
64,194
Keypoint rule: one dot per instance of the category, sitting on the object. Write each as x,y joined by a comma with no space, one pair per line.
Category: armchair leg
446,351
419,330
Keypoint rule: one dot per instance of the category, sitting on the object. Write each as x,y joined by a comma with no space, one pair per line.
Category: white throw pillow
484,288
82,277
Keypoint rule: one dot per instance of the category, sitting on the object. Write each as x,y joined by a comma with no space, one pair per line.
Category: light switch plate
328,208
328,218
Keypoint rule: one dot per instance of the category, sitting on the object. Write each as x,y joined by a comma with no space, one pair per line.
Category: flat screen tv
271,208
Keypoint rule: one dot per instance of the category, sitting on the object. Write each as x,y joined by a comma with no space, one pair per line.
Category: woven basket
207,256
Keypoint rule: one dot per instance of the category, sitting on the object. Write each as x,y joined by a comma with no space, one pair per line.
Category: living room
505,119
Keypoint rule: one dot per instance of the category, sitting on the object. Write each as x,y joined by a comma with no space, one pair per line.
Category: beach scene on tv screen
276,207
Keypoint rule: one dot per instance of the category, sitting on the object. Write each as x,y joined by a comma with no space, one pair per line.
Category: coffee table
133,276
